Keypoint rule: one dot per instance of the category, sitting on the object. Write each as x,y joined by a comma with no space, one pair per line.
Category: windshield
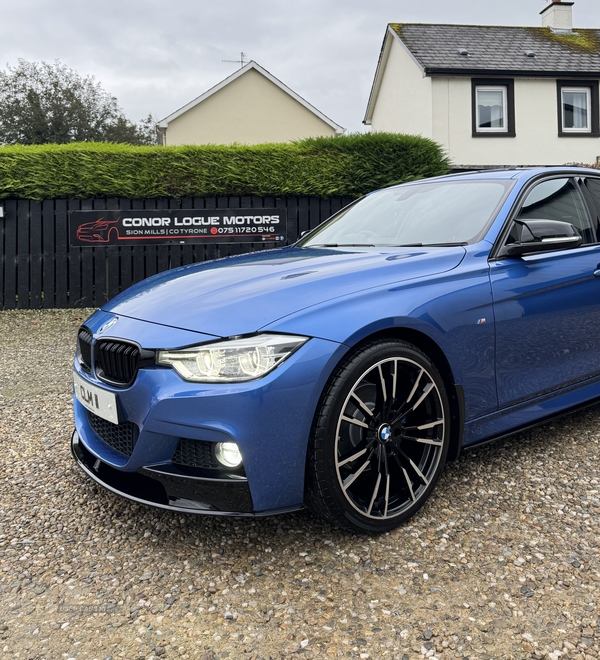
440,213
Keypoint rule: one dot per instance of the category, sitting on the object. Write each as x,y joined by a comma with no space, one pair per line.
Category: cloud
156,56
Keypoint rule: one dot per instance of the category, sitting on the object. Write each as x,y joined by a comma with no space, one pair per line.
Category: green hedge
345,165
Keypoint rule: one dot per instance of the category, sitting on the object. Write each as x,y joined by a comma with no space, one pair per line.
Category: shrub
345,165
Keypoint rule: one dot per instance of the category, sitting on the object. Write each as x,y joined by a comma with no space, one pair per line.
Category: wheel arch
436,354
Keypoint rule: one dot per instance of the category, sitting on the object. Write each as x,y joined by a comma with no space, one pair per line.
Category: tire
380,438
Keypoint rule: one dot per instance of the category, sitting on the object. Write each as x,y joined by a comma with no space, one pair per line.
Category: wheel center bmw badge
385,433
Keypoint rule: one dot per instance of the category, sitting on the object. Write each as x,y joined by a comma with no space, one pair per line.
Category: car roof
519,172
505,174
508,173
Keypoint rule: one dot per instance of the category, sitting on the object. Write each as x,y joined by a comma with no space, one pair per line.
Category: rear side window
558,199
593,187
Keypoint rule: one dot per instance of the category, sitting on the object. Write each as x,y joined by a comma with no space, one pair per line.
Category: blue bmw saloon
344,371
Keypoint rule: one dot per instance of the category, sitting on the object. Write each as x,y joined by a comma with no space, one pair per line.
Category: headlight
232,360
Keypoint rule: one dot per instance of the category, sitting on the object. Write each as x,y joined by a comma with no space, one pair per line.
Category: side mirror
542,236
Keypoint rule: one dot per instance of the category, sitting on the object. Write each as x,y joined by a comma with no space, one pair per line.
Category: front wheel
380,438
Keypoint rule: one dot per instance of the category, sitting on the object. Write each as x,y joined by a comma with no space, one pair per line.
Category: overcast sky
157,56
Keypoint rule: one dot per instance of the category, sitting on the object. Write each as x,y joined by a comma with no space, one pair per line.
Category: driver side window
555,199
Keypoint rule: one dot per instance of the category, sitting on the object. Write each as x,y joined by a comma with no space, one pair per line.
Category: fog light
228,454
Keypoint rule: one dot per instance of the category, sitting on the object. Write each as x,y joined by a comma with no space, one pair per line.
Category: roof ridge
500,27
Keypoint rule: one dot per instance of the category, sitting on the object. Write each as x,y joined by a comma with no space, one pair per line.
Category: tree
43,103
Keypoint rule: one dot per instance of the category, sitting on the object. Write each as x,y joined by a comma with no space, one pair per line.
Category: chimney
558,16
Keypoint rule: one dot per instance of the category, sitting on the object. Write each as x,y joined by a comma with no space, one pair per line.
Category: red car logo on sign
98,231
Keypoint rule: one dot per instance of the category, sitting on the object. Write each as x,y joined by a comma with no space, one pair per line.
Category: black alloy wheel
380,438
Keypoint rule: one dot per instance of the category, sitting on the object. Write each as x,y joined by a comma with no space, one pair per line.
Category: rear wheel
380,438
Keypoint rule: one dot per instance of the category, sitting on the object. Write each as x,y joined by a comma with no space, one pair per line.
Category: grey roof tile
501,49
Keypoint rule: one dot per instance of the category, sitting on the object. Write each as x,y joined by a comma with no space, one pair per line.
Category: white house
493,96
249,107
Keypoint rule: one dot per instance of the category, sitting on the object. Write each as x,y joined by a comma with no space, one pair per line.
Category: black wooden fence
40,270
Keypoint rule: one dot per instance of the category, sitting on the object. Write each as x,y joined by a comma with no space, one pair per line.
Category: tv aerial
242,61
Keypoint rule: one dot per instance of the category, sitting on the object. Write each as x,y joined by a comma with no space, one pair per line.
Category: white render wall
536,124
404,99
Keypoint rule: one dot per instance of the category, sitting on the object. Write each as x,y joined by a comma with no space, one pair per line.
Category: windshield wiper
334,245
431,244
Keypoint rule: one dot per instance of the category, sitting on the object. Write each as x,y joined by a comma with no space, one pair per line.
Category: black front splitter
163,486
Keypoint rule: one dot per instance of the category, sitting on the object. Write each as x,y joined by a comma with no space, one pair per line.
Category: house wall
440,108
249,110
404,101
536,123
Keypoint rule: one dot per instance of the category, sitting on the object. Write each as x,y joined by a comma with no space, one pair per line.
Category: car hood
240,295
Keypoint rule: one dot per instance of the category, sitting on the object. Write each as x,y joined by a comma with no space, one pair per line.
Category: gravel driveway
501,563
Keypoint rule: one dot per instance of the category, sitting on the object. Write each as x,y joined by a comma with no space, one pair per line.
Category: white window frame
588,94
492,88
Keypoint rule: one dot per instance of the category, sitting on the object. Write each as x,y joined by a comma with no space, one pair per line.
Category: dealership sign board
149,227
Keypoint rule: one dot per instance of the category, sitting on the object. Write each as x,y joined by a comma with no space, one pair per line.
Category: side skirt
532,413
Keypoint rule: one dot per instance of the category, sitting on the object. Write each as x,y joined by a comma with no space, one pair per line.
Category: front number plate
95,399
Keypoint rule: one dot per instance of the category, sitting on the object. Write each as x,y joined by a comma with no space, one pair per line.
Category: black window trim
592,85
509,83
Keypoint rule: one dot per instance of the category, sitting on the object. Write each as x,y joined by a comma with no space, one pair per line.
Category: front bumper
163,420
168,487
